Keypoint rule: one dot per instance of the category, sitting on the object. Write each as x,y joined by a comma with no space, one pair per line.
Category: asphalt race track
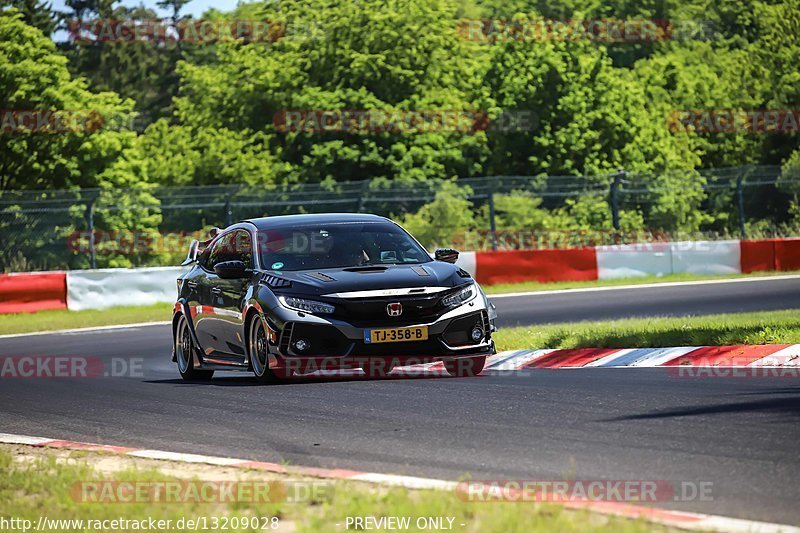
739,296
741,435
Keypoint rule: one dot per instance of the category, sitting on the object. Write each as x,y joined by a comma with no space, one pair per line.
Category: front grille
371,312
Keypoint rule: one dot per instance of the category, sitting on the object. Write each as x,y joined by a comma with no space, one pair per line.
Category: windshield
338,245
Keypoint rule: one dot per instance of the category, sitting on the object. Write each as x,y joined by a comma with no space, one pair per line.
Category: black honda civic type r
293,294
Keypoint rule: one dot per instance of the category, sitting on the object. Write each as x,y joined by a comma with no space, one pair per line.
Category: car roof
287,221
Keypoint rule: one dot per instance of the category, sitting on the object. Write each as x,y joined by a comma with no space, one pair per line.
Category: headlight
309,306
461,297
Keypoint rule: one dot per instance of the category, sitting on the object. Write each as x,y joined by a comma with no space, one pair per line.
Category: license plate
410,334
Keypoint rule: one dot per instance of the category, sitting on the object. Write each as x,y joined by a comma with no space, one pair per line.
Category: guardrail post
228,211
614,197
229,205
740,199
492,224
90,227
362,199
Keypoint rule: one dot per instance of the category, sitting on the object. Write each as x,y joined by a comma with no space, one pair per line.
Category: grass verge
527,286
765,327
38,483
64,319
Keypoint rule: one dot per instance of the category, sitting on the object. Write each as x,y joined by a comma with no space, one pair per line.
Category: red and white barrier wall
633,260
100,289
24,293
110,287
87,289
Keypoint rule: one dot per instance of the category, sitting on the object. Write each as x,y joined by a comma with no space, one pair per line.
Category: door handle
192,284
216,290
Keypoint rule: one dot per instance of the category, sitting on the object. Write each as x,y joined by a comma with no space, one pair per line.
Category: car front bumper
341,343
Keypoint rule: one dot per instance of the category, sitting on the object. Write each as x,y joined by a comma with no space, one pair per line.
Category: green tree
439,222
515,211
409,59
34,78
790,183
143,70
37,13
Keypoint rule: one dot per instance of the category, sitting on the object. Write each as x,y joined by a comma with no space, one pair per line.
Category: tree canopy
215,111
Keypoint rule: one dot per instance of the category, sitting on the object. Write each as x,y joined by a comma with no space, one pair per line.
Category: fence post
740,199
229,205
492,224
90,227
614,196
228,211
362,199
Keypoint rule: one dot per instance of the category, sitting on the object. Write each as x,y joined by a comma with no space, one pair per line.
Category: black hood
338,280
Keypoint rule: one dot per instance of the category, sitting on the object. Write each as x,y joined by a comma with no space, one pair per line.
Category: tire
465,368
184,350
259,354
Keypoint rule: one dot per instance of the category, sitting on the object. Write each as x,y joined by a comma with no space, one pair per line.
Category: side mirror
191,256
231,270
448,255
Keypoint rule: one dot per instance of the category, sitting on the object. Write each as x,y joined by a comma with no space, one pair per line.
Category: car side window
217,253
233,246
244,248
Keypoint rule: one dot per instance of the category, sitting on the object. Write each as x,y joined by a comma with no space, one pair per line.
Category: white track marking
523,358
87,330
8,438
604,361
408,482
789,356
644,286
659,356
186,457
738,525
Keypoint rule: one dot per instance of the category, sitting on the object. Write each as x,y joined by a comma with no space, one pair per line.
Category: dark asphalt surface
741,435
705,299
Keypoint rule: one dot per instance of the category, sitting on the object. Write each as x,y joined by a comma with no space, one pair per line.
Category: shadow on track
249,381
785,406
